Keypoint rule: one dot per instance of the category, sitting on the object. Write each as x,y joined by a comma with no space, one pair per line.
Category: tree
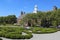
46,19
10,19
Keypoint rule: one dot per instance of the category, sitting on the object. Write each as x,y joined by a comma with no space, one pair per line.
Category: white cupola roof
35,9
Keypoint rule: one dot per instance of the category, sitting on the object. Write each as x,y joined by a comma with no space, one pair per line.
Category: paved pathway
52,36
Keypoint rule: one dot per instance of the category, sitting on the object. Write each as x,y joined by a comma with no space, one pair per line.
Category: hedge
44,30
14,33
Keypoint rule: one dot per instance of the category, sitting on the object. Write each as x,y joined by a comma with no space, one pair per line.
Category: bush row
43,30
14,33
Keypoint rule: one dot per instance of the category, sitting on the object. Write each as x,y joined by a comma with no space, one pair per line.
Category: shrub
12,36
14,33
44,30
0,39
27,36
18,36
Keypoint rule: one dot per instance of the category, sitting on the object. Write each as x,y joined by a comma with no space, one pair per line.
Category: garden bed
38,30
22,33
14,33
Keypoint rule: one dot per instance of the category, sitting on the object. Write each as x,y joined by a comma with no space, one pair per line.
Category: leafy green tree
10,19
46,19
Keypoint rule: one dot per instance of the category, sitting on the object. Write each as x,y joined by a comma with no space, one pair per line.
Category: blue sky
14,7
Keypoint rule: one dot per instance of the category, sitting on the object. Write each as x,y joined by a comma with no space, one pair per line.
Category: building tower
54,8
20,17
35,9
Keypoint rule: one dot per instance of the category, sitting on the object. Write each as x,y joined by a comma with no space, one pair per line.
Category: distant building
26,23
23,14
35,9
54,8
20,17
